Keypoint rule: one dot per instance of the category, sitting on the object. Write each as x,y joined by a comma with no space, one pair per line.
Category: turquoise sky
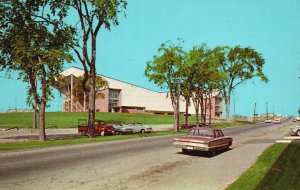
272,27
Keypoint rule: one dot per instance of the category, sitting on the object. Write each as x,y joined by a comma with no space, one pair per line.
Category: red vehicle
188,126
203,139
101,128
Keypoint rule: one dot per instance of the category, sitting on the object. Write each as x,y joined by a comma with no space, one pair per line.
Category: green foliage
238,65
78,91
34,41
166,66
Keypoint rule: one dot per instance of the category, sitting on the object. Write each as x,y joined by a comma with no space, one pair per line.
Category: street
147,163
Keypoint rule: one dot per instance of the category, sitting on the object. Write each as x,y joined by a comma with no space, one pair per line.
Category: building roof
75,71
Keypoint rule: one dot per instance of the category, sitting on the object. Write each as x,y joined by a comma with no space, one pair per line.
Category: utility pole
254,112
267,110
177,114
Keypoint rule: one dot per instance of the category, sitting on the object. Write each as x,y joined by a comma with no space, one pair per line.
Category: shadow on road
203,153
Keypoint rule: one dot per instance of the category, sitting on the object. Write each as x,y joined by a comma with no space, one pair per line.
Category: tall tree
239,65
34,41
92,16
164,69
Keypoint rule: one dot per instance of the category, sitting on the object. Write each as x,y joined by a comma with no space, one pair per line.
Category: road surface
148,163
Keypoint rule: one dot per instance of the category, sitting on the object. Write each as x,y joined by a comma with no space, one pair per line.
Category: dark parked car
101,128
203,139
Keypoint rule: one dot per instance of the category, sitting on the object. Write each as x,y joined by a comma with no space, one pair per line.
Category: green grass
69,120
256,173
236,124
79,140
285,173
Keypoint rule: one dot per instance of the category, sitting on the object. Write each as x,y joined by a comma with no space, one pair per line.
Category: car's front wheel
143,131
298,132
185,151
102,133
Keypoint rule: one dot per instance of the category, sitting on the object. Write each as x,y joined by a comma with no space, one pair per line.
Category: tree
299,110
204,79
92,16
34,41
164,69
79,93
239,65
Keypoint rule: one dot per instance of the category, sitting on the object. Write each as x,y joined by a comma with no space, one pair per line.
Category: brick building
125,98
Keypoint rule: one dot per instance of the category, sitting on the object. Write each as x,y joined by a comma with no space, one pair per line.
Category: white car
296,130
277,121
268,121
140,128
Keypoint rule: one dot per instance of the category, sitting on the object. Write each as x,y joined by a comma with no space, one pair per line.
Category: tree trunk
34,126
227,104
202,109
92,96
42,106
187,99
196,105
42,131
210,108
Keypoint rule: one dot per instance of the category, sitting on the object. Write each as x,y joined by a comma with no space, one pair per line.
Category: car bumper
192,146
294,130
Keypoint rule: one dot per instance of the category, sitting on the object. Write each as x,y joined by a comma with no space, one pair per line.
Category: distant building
13,110
124,97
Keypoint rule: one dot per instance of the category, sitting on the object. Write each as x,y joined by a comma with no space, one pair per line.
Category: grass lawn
272,170
80,140
69,120
285,173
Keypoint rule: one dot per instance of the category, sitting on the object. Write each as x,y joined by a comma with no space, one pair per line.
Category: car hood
196,139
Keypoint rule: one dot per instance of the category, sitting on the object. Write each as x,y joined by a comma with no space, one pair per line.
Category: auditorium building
124,97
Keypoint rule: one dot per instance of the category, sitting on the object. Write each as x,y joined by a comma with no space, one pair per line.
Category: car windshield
201,132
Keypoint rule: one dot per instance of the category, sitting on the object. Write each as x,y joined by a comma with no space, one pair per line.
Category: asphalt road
148,163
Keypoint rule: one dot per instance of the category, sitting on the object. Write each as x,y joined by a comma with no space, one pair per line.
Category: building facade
125,98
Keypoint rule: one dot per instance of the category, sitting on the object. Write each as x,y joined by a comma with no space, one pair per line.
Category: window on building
114,96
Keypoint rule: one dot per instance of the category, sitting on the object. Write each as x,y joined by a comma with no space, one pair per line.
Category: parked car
203,139
294,119
188,126
277,121
296,130
140,128
123,129
101,128
268,121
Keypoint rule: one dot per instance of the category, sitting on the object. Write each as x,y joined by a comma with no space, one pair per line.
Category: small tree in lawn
79,93
163,69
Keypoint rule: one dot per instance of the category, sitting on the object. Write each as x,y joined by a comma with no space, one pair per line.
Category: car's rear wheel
185,151
102,133
143,131
82,133
298,132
